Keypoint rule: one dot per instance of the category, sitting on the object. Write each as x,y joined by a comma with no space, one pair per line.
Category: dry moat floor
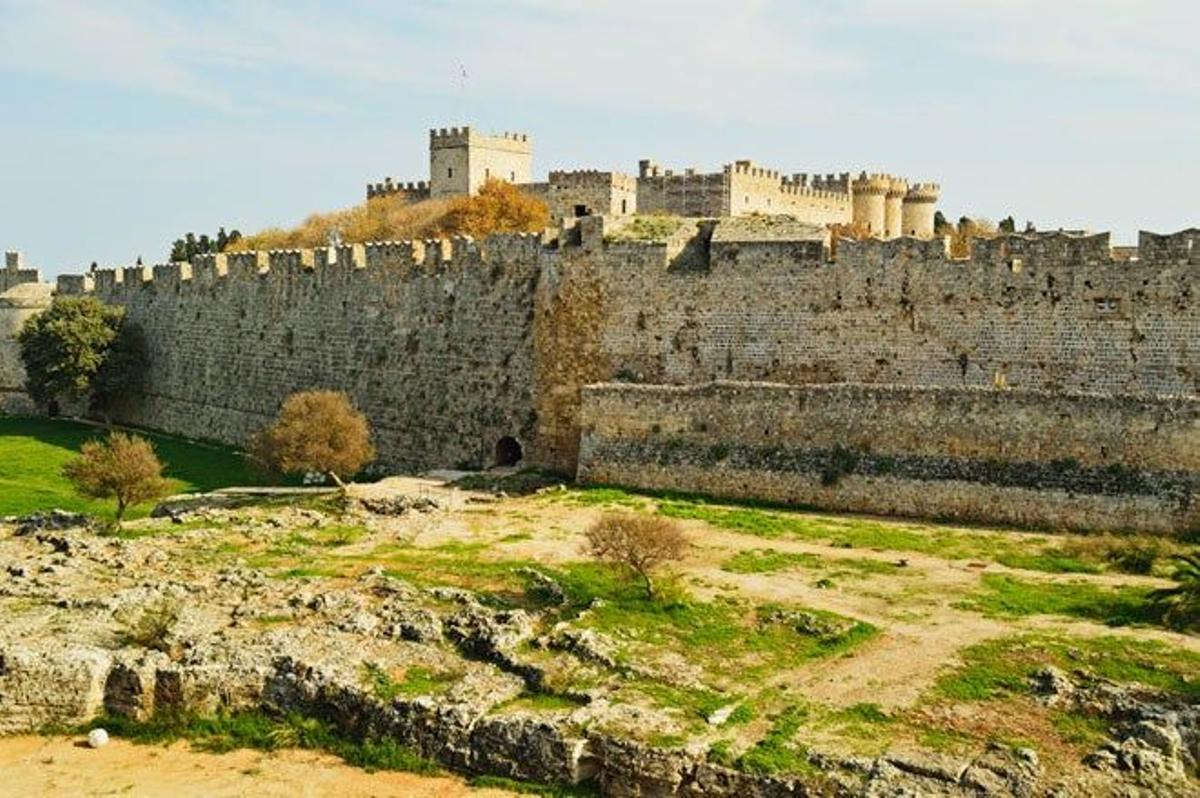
832,649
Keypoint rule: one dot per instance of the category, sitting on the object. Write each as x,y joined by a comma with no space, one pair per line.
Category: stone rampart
451,345
1054,317
431,339
1027,458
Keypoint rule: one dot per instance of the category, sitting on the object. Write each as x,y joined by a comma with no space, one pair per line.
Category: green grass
1005,666
34,450
764,561
417,681
769,520
1005,596
777,752
648,227
257,730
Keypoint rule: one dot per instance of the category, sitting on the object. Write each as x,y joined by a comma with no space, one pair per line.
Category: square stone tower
461,160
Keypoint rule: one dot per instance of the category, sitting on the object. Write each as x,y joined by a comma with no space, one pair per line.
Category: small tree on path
317,431
124,468
641,543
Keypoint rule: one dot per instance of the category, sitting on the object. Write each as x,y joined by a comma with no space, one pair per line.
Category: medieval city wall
449,346
1048,313
968,454
432,341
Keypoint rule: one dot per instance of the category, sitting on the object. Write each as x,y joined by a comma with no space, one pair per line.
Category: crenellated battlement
16,273
460,136
875,183
412,190
400,258
1181,247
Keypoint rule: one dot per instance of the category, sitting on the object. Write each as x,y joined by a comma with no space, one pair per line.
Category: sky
125,124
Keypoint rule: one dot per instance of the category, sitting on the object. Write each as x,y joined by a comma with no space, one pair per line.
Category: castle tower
461,160
892,210
870,197
916,215
13,261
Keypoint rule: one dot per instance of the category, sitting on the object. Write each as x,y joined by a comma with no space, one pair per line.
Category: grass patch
1048,562
544,702
765,561
34,450
777,752
1004,667
649,227
1086,731
257,730
415,681
733,638
770,520
1005,596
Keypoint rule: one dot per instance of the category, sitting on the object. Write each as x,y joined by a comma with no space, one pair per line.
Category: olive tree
640,543
316,431
123,467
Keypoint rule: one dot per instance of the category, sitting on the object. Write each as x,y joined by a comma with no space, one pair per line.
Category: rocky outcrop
1154,738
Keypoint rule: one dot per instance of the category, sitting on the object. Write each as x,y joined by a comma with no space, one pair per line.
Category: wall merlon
1180,247
73,285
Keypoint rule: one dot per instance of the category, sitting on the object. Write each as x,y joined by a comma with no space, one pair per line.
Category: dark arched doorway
508,451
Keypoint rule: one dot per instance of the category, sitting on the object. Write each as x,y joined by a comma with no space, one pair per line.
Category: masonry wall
432,341
1050,313
687,194
755,190
21,295
1025,458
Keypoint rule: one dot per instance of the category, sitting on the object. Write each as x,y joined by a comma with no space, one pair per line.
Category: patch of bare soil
34,767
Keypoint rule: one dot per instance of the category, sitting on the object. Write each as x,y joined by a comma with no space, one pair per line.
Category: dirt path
40,767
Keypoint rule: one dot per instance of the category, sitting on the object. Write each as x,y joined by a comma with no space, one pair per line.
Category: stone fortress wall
450,346
1026,458
22,294
432,339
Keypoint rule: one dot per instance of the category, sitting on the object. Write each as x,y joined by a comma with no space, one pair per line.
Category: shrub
498,207
317,431
124,468
1180,605
641,543
152,627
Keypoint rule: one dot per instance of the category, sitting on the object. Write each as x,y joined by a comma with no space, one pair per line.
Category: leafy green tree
190,245
65,347
1007,225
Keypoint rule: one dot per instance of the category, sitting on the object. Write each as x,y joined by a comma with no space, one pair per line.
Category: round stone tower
16,305
892,213
869,197
916,216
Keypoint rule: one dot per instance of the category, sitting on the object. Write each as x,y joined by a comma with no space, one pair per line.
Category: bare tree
317,431
641,543
124,467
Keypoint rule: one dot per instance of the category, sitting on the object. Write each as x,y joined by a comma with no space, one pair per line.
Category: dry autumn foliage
966,231
641,543
856,231
317,431
124,468
499,207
